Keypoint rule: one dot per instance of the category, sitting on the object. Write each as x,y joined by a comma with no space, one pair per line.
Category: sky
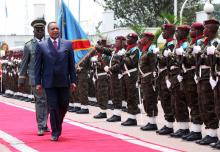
19,16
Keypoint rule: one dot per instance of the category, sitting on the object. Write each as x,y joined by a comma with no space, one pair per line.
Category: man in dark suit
55,71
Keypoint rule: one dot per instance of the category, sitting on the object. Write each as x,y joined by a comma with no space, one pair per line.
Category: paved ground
131,131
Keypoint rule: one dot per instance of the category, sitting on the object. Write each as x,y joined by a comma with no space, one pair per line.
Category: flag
71,30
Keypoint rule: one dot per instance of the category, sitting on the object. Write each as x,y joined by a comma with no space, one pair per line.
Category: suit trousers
41,108
58,101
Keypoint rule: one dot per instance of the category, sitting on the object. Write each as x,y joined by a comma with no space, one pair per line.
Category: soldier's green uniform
82,71
163,91
129,66
27,67
99,61
147,69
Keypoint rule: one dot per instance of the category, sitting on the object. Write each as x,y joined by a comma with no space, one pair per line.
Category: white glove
106,68
121,52
94,58
196,79
179,78
213,82
211,50
168,83
166,52
179,51
196,49
156,50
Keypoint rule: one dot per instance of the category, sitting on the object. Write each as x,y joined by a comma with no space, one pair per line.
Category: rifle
92,50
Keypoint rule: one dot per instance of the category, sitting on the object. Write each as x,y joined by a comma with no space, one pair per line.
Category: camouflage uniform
147,68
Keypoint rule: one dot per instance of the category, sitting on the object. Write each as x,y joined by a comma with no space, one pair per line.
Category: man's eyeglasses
39,29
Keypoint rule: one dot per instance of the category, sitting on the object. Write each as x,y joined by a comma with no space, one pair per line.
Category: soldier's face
54,31
193,33
144,40
39,32
118,43
165,34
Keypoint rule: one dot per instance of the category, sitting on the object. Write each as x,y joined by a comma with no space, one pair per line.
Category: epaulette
170,43
151,48
215,42
185,45
29,41
200,41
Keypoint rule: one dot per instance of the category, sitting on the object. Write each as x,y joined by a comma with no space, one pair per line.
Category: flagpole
6,16
79,13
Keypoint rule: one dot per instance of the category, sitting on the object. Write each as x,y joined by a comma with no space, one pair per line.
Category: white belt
173,67
101,74
146,74
192,68
129,71
204,67
162,69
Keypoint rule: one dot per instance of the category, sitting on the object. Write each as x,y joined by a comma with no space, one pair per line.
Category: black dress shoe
130,122
40,132
124,109
165,130
216,145
207,140
54,138
46,129
74,109
192,136
114,118
149,127
100,115
83,111
179,133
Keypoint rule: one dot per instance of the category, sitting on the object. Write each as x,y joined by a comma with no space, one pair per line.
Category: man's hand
39,88
73,87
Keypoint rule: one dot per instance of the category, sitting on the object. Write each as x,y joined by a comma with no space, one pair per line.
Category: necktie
55,44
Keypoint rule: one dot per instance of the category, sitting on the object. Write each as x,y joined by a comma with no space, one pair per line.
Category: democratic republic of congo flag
71,30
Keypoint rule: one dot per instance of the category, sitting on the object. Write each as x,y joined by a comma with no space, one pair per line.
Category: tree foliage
147,12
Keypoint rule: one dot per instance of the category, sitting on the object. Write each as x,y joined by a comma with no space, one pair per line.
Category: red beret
211,21
168,26
148,34
197,25
120,38
134,35
184,27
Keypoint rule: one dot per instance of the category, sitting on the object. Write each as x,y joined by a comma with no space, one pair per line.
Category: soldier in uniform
114,70
189,85
129,66
146,69
27,66
99,61
205,92
82,69
163,91
216,77
175,75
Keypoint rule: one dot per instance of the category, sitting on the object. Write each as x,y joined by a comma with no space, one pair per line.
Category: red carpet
21,124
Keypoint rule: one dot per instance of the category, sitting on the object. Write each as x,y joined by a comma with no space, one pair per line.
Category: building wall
19,40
